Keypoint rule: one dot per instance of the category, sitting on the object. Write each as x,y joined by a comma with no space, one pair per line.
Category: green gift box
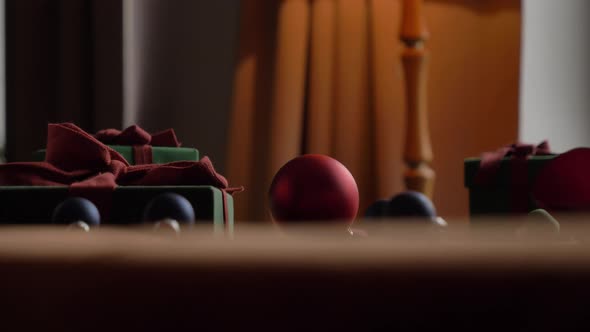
35,204
496,197
160,154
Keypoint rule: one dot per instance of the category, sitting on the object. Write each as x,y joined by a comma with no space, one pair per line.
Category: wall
555,82
179,58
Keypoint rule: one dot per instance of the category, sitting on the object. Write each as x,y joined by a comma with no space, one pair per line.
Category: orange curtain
316,77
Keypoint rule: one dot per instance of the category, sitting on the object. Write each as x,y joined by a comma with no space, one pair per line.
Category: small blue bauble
379,209
411,204
76,209
169,206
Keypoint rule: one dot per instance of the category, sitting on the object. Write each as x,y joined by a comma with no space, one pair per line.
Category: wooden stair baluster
419,176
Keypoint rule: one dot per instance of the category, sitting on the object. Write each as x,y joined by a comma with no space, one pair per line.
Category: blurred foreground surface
377,276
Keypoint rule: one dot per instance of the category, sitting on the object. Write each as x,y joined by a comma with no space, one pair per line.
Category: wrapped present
79,164
140,147
501,182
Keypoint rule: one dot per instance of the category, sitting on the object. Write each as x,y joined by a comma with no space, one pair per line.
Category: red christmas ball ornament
314,187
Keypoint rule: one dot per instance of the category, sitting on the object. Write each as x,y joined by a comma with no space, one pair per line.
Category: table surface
380,277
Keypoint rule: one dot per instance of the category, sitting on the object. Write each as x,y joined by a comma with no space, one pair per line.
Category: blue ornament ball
169,206
411,204
76,209
379,209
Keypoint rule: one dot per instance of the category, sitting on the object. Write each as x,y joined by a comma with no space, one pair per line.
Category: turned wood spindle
419,175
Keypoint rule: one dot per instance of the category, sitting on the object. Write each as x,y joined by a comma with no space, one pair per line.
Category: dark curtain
64,62
113,63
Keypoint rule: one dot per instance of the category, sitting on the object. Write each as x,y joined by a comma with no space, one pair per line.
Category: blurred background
224,73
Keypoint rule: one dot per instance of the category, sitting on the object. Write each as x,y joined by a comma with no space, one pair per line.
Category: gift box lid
472,165
160,154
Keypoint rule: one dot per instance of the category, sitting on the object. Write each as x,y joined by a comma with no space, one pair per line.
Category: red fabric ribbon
134,135
140,140
519,154
93,170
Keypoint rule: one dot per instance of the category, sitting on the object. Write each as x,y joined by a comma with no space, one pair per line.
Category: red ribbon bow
140,140
520,187
93,170
134,135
